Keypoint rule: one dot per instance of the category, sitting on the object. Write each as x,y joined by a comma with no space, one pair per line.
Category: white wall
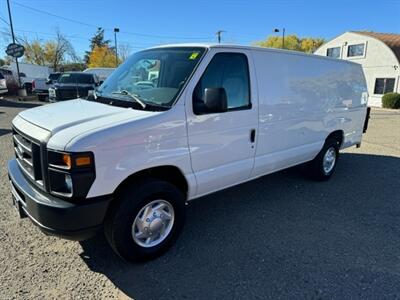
378,60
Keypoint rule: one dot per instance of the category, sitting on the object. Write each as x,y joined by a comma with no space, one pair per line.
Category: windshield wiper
133,96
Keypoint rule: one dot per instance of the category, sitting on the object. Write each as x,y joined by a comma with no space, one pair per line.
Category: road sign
15,50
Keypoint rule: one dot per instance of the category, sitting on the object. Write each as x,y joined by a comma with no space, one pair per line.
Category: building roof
392,40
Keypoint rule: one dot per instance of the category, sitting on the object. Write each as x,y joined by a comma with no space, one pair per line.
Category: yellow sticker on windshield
194,55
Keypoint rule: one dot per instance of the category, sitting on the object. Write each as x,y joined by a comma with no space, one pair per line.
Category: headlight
66,170
52,92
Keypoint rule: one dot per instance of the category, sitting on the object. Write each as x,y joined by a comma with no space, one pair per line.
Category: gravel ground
281,236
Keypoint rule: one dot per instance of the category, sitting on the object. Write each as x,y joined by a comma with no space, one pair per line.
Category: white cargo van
129,158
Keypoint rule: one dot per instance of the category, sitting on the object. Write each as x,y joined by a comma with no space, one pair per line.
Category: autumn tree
103,56
52,53
96,41
292,42
34,52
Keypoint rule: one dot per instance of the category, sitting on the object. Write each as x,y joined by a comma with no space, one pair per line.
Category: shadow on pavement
4,131
282,235
19,104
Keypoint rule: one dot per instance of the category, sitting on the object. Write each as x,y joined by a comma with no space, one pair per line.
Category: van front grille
27,153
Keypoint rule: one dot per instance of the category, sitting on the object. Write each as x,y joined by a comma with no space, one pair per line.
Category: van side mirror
215,100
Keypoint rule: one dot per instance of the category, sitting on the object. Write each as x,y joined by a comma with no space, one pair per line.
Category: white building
379,55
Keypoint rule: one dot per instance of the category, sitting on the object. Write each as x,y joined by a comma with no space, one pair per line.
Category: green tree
2,62
292,42
73,66
96,41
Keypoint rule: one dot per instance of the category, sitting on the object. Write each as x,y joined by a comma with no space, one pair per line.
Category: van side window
229,71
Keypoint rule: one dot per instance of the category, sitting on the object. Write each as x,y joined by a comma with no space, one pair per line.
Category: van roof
254,48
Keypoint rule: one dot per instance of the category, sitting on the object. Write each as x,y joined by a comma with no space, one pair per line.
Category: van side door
222,143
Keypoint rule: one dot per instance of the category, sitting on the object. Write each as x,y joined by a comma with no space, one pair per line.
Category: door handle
252,135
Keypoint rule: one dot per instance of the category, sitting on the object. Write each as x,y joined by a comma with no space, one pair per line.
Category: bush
391,100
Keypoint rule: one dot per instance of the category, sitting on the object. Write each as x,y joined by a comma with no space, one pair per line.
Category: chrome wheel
329,160
153,223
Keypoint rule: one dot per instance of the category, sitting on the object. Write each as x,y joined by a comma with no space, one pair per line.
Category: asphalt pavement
280,236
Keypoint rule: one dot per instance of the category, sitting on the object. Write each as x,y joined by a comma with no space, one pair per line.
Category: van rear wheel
324,164
146,220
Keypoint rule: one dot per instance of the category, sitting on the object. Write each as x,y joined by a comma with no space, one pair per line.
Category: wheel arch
169,173
337,135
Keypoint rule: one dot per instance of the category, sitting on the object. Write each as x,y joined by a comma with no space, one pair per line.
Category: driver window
229,71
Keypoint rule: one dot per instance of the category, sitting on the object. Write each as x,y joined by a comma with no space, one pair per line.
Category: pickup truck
72,85
41,86
128,159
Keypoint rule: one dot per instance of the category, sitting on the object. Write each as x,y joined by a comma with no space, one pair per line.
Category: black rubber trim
56,216
366,121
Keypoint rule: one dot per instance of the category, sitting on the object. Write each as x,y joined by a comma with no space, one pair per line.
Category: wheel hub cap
329,160
153,223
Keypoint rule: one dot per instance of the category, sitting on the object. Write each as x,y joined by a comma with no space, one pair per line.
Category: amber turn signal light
83,161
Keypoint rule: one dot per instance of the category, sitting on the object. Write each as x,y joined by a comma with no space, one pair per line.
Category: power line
54,15
105,28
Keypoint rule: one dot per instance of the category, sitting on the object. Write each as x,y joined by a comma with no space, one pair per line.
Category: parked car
101,73
128,159
41,86
72,85
3,84
11,82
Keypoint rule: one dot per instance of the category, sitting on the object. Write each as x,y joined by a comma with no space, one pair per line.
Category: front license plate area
16,202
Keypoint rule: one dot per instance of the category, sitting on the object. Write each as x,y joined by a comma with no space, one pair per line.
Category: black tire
316,166
122,214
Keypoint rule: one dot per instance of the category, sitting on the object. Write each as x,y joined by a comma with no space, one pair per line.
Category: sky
147,23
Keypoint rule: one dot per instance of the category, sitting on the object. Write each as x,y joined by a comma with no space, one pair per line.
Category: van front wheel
146,220
324,164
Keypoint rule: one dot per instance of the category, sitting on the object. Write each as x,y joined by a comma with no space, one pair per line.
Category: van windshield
154,76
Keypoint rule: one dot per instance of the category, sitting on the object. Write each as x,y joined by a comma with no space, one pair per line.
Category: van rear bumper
55,216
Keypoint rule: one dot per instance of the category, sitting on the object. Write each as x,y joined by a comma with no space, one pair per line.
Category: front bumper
54,216
41,92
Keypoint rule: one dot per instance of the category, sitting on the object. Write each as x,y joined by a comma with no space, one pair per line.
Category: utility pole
13,38
116,49
218,33
283,36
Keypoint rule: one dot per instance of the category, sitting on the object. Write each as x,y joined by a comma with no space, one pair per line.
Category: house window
384,85
333,52
355,50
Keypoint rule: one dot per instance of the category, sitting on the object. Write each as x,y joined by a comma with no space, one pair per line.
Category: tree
292,42
51,53
124,51
34,52
102,57
75,66
96,41
56,51
309,45
2,62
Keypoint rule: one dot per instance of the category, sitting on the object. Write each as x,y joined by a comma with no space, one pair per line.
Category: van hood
61,115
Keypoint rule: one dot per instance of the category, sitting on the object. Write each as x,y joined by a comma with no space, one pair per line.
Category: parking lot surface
280,236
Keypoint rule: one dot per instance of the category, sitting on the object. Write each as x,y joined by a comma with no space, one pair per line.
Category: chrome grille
27,153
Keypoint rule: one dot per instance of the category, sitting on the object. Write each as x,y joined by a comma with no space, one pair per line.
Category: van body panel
303,99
